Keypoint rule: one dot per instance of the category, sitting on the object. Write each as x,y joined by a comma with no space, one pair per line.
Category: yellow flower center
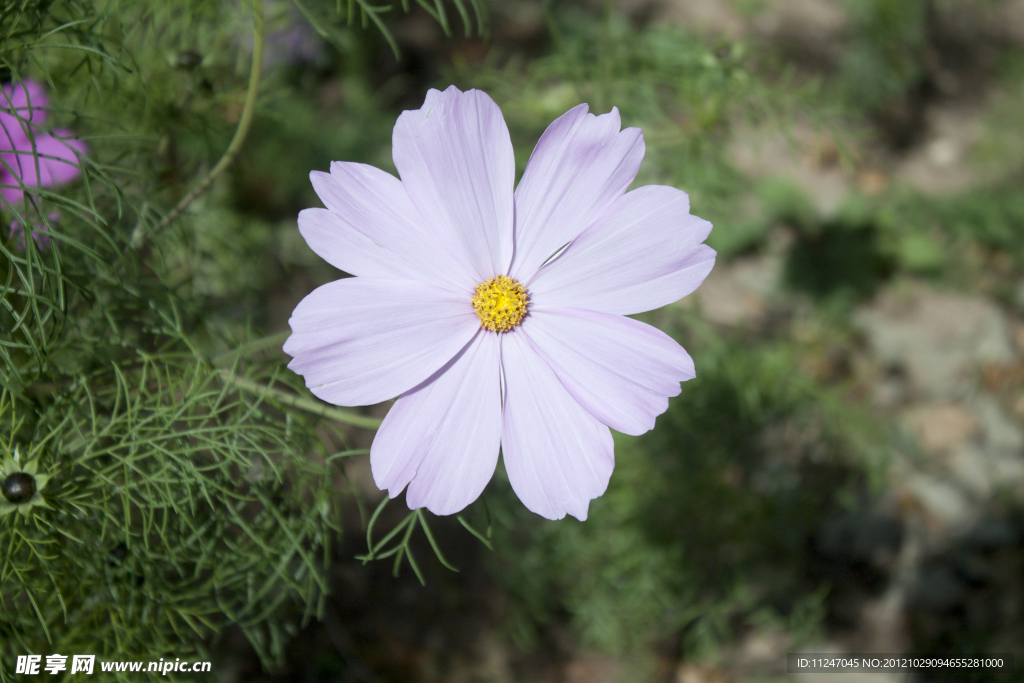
500,303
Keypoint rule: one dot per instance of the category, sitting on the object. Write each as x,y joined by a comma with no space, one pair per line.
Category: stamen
500,303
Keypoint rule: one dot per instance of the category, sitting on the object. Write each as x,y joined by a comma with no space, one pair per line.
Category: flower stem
251,347
299,402
240,132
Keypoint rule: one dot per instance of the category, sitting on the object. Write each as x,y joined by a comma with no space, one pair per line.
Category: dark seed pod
19,487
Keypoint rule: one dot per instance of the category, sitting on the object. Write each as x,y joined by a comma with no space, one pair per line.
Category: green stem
243,124
251,347
299,402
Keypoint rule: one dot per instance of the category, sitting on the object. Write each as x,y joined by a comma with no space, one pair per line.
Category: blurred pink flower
32,159
498,316
39,232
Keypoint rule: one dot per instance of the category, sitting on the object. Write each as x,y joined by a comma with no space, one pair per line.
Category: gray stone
941,338
818,26
974,471
793,155
941,163
1001,432
943,503
711,17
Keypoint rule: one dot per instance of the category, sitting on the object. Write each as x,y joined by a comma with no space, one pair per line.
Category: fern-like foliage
185,490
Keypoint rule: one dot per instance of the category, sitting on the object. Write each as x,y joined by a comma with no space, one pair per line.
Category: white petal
580,166
444,435
455,158
646,252
621,370
558,456
371,228
362,340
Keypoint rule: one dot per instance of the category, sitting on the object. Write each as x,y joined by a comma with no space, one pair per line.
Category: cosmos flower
30,159
499,317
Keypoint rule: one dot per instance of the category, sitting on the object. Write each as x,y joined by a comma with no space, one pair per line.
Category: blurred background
846,472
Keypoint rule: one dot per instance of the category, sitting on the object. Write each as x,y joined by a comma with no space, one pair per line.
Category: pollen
500,303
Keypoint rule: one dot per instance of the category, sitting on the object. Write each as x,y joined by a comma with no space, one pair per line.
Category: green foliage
400,537
179,505
883,60
183,494
839,258
191,478
990,216
870,239
683,93
703,533
348,12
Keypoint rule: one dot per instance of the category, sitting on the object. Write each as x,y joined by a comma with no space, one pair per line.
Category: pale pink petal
9,186
57,158
581,164
20,102
444,435
28,98
558,456
371,228
621,370
646,252
12,137
455,158
364,340
337,242
66,150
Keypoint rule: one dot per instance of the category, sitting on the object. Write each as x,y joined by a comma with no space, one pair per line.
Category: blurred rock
891,387
940,164
973,469
763,651
1002,432
710,17
945,507
816,26
418,31
993,462
519,20
1018,329
794,155
699,673
490,662
593,669
737,291
984,472
941,338
1013,21
872,182
882,627
941,427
